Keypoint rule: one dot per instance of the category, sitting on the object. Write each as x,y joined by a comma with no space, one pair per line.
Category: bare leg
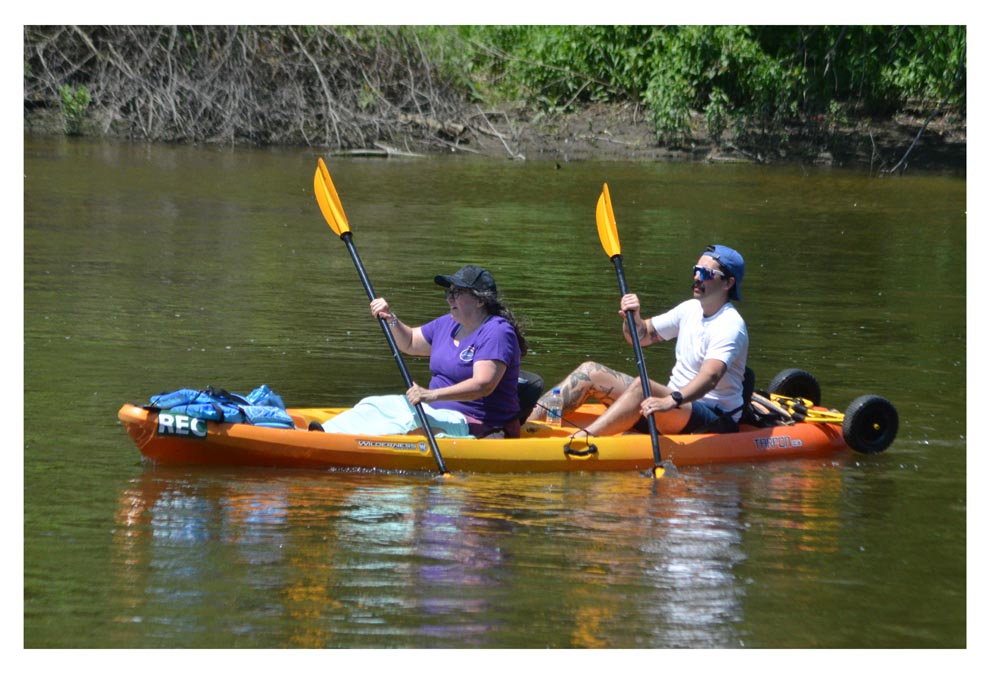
589,380
625,412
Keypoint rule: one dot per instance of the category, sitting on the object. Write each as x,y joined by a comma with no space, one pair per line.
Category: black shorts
705,418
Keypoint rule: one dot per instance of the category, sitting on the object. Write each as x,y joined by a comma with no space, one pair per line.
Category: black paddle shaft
346,237
640,362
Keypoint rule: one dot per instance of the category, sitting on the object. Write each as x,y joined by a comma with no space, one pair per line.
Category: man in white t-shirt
705,389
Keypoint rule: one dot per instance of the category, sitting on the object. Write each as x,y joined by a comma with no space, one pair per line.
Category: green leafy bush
75,103
753,77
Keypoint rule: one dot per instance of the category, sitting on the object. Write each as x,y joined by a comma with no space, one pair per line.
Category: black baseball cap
471,276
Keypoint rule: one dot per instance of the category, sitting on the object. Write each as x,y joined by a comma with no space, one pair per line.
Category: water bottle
555,408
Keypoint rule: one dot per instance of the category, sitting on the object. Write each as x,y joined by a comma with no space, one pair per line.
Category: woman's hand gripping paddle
333,212
609,235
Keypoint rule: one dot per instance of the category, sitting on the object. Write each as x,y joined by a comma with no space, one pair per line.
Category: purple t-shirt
451,363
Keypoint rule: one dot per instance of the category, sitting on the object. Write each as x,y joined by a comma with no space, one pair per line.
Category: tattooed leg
624,414
590,380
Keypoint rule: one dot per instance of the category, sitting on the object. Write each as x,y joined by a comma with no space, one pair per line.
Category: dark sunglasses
454,293
706,274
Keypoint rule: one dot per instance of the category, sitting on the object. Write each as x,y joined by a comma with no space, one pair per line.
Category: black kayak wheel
795,383
870,424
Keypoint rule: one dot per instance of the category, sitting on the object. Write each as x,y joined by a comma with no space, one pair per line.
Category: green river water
153,268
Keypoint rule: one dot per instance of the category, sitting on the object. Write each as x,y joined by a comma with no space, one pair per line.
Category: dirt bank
623,132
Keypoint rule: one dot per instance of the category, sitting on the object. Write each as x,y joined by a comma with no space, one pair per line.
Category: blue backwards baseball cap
731,262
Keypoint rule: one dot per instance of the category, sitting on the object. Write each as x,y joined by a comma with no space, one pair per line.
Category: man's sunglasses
706,274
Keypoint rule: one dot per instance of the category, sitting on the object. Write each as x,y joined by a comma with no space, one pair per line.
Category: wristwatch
678,397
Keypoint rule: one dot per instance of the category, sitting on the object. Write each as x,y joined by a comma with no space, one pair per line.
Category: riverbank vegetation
762,90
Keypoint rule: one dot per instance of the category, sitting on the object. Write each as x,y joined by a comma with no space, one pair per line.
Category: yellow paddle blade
326,197
607,232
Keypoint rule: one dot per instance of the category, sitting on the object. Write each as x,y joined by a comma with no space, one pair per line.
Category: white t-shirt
721,337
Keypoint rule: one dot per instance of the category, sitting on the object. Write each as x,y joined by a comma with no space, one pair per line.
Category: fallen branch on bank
494,133
902,164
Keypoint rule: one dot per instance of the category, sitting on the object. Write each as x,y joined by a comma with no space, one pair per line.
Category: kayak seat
530,390
749,385
756,415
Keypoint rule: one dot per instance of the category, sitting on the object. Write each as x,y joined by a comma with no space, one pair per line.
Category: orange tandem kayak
167,438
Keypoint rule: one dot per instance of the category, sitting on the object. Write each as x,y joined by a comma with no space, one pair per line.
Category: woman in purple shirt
474,353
